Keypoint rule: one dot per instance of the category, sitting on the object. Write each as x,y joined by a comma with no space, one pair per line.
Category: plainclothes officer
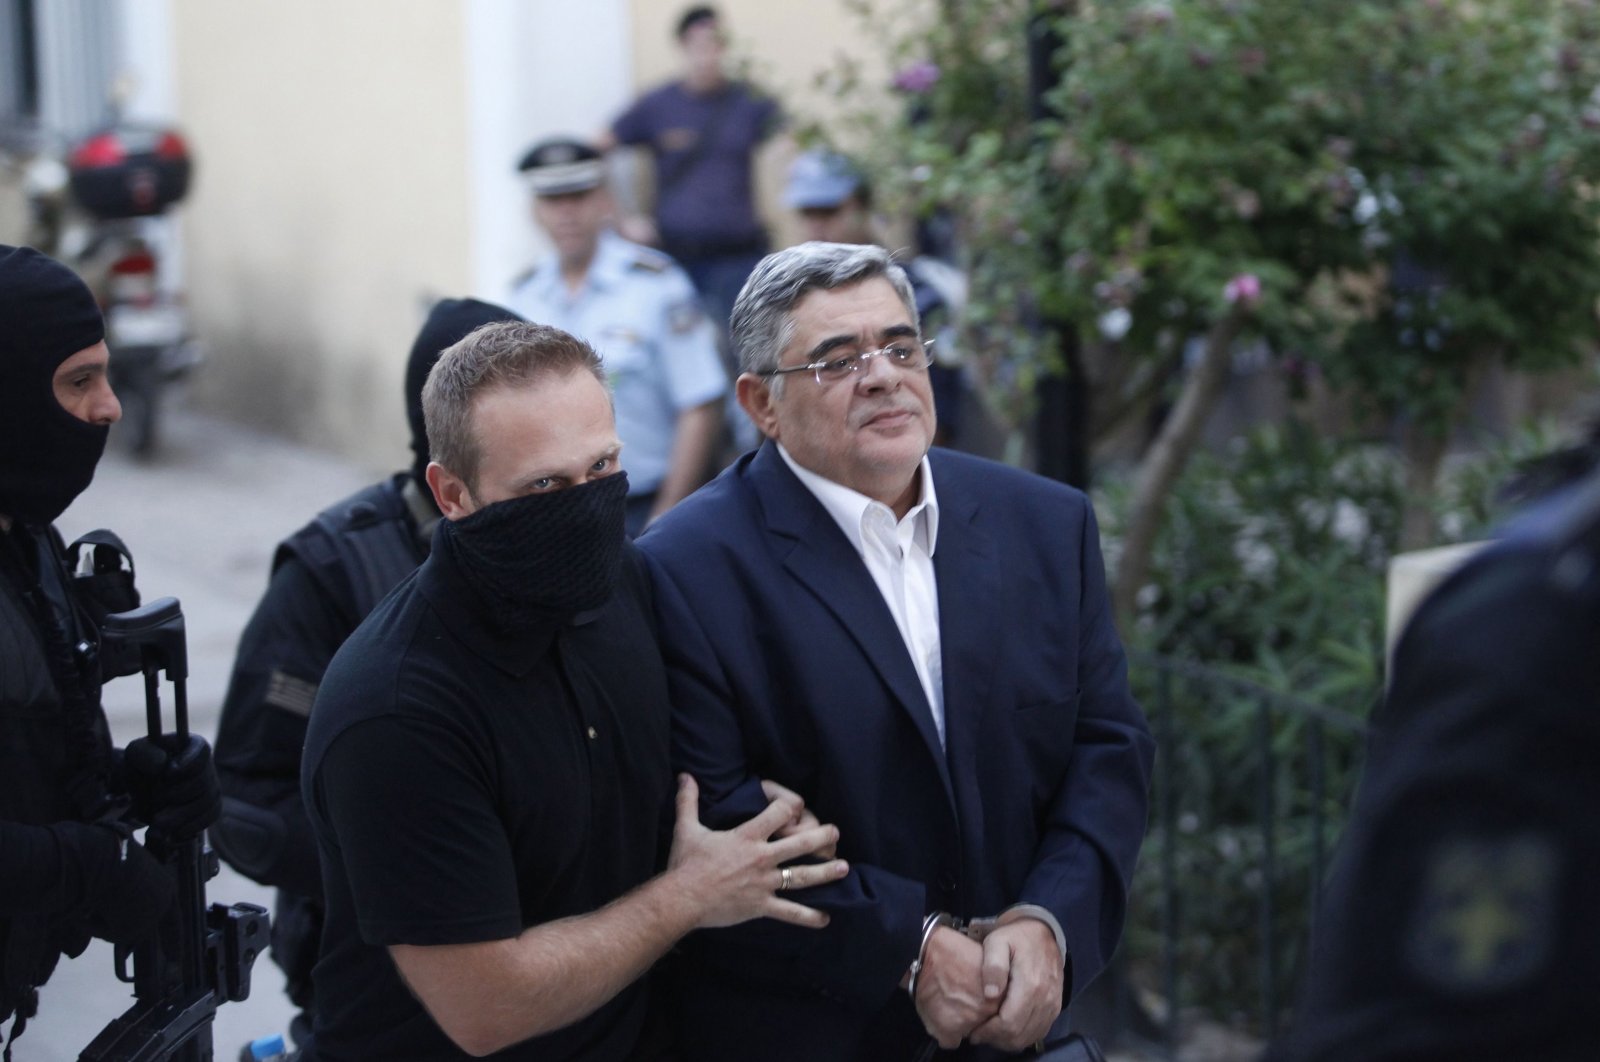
326,577
68,867
1461,922
486,766
640,312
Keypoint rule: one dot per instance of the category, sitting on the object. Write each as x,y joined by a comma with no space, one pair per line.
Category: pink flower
918,77
1243,290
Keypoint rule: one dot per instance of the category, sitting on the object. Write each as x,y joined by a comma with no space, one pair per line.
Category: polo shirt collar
849,507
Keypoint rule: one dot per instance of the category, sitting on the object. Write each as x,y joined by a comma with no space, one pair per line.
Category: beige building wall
784,46
355,160
331,201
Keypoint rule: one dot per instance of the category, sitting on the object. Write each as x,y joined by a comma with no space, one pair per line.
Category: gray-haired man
920,643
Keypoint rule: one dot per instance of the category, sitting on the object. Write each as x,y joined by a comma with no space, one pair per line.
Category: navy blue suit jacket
785,663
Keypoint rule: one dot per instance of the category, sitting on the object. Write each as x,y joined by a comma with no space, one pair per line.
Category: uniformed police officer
1461,920
68,867
640,312
326,577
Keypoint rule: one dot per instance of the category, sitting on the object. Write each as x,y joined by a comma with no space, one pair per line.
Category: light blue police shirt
640,312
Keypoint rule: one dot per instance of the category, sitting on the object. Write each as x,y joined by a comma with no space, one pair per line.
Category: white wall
145,64
534,69
146,58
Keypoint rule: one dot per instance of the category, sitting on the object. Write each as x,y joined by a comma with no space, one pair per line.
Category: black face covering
541,558
47,455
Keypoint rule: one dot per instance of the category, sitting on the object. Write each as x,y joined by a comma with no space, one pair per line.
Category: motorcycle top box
129,171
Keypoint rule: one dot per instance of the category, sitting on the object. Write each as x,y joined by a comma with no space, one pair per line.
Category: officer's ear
450,492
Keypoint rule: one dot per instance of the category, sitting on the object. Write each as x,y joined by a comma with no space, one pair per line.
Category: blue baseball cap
820,179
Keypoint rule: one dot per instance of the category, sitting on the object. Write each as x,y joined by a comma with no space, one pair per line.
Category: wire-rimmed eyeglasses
912,357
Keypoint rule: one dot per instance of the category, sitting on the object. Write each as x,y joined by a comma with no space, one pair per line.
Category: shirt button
592,734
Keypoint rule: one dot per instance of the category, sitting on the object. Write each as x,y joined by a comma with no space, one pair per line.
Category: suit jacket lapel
817,553
966,564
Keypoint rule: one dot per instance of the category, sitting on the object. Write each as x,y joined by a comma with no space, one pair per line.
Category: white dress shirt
899,557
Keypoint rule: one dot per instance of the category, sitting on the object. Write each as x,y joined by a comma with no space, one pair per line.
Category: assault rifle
198,958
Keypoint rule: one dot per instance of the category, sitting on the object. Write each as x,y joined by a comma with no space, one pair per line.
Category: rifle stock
199,957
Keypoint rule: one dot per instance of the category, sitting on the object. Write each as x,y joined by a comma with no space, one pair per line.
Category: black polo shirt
465,784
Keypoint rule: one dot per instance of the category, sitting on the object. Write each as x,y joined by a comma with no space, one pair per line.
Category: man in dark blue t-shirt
702,133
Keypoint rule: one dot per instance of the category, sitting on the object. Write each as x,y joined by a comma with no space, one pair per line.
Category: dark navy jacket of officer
1461,919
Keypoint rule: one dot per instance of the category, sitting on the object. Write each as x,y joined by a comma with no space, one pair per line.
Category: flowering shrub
1409,183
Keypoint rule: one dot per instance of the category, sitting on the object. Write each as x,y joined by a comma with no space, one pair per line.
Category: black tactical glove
121,889
173,784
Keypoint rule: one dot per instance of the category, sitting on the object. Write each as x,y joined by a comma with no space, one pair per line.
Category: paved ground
201,520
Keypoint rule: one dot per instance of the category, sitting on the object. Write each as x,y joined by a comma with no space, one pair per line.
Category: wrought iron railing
1251,785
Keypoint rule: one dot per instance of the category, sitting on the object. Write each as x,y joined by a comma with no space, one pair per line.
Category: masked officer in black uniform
326,577
68,800
1461,921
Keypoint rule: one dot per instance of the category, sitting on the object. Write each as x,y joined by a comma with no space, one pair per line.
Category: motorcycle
101,209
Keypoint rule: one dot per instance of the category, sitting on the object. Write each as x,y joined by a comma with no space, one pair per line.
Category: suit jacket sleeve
1096,822
875,916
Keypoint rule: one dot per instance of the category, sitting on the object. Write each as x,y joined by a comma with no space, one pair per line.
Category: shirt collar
606,269
849,507
611,259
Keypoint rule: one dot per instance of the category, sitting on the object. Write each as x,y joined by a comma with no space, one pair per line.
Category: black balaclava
47,455
542,558
448,323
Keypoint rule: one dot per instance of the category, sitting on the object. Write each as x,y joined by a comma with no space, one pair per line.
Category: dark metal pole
1061,424
1166,764
27,28
1269,871
1318,854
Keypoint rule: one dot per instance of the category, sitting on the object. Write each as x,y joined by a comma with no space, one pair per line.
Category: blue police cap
821,179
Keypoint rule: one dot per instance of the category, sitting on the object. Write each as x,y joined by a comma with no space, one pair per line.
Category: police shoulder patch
648,261
1486,914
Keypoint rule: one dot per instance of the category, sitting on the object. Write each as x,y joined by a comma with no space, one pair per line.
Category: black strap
71,654
27,1007
368,543
109,551
377,555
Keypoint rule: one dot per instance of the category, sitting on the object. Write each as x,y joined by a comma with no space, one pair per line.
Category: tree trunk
1167,455
1424,453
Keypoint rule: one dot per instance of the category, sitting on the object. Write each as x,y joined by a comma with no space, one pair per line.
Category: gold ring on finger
786,881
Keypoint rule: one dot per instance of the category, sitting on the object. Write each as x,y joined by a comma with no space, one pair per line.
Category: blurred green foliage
1269,569
1266,611
1410,180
